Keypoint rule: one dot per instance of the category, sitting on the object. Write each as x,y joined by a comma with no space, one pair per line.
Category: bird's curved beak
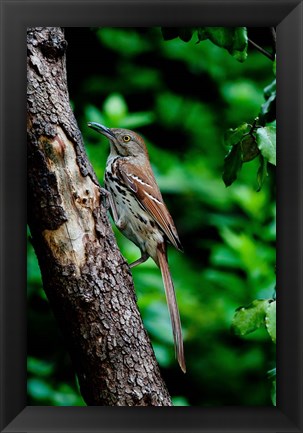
102,129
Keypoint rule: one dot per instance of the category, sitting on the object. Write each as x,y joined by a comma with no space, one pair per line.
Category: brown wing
143,184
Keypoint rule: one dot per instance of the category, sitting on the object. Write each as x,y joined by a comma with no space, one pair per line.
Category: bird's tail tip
182,366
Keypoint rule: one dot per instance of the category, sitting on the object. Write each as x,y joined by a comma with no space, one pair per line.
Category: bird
139,212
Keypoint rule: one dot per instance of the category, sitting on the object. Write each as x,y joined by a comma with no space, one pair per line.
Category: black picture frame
16,16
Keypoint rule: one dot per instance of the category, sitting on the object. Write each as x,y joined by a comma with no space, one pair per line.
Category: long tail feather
172,305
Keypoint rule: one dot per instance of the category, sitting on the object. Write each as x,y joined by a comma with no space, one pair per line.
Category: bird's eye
126,138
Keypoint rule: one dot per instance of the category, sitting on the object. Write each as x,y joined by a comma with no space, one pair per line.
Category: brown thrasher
139,211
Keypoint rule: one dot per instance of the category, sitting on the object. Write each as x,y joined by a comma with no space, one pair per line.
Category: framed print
151,97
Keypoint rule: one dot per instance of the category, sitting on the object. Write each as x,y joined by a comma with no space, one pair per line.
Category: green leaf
39,367
234,136
163,354
232,165
39,389
266,141
272,377
179,401
270,90
115,107
233,39
202,33
136,120
274,66
249,148
273,393
270,320
92,114
268,109
262,172
65,395
248,319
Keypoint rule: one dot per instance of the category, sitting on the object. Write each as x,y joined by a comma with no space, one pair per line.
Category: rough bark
86,279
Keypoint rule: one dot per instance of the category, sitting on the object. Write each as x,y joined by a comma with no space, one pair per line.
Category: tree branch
262,50
89,289
274,38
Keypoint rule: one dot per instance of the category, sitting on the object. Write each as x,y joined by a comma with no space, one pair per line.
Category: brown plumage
140,213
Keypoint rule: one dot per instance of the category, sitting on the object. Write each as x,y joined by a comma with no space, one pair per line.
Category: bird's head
123,142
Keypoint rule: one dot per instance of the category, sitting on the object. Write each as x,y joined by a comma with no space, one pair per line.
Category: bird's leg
142,259
119,222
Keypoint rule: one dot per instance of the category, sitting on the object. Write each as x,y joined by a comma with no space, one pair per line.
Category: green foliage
270,320
233,39
268,109
50,381
232,164
266,141
272,378
44,391
182,98
261,312
115,114
246,141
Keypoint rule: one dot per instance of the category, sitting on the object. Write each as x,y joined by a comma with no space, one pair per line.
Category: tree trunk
86,279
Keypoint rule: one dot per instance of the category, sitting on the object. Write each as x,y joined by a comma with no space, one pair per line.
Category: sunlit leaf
93,114
268,108
39,389
66,396
136,120
248,319
163,354
39,366
270,320
270,89
223,256
115,107
266,141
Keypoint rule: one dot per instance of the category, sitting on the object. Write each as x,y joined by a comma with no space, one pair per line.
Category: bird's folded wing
144,187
